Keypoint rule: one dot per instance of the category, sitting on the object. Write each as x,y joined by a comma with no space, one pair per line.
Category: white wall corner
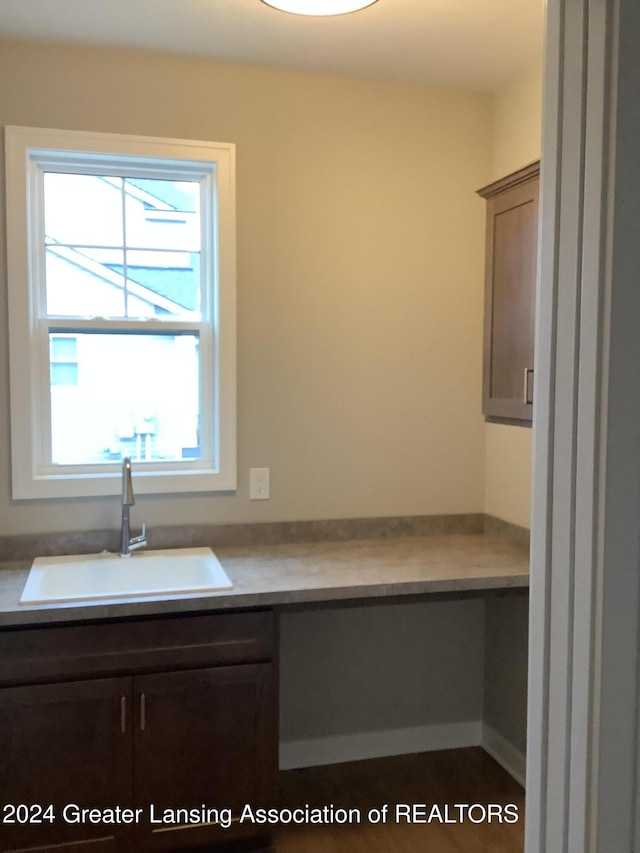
505,753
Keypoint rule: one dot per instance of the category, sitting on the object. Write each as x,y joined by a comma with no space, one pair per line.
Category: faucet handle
139,541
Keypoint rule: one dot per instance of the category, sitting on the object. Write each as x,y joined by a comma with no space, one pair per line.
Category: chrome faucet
129,543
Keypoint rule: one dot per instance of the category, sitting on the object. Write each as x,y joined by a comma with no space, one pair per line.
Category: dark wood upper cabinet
510,287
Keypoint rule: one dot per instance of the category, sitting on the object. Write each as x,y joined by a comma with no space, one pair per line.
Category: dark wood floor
463,776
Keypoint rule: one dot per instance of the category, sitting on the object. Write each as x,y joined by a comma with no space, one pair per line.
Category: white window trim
26,149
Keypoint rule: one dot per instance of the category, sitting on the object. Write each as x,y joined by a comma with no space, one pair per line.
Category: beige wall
517,132
360,245
516,142
517,119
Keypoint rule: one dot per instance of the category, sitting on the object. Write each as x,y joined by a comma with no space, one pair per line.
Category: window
121,261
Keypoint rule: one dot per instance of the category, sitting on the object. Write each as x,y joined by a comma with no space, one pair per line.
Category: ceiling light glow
319,7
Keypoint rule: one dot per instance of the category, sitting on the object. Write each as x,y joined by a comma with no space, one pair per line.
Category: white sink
91,577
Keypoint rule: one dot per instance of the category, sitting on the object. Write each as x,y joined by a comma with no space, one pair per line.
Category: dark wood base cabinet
139,735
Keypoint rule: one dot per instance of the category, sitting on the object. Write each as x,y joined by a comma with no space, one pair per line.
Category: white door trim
585,591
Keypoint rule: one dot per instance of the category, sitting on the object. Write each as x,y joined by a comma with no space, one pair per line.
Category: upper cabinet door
510,286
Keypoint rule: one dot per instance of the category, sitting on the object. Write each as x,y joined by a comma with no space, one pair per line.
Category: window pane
163,284
83,210
136,395
84,282
162,214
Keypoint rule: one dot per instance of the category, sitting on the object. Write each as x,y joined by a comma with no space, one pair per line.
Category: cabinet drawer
135,646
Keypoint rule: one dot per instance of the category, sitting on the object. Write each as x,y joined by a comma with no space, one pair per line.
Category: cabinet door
512,239
63,744
207,739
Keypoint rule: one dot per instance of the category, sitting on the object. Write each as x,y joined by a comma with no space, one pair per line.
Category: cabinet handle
123,715
525,394
143,712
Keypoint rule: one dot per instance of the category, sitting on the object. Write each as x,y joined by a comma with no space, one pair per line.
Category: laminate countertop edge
293,575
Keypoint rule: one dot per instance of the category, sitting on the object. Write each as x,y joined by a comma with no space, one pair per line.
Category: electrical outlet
259,484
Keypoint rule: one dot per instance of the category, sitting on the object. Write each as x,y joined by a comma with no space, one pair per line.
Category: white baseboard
361,745
505,753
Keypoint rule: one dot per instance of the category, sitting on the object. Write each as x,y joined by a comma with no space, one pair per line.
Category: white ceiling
474,44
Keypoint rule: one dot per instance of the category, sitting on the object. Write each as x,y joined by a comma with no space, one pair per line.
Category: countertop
299,574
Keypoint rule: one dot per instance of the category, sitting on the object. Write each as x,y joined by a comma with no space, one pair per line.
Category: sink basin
92,577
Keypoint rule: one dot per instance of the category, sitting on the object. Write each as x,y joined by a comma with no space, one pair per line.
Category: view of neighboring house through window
119,247
63,357
121,272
